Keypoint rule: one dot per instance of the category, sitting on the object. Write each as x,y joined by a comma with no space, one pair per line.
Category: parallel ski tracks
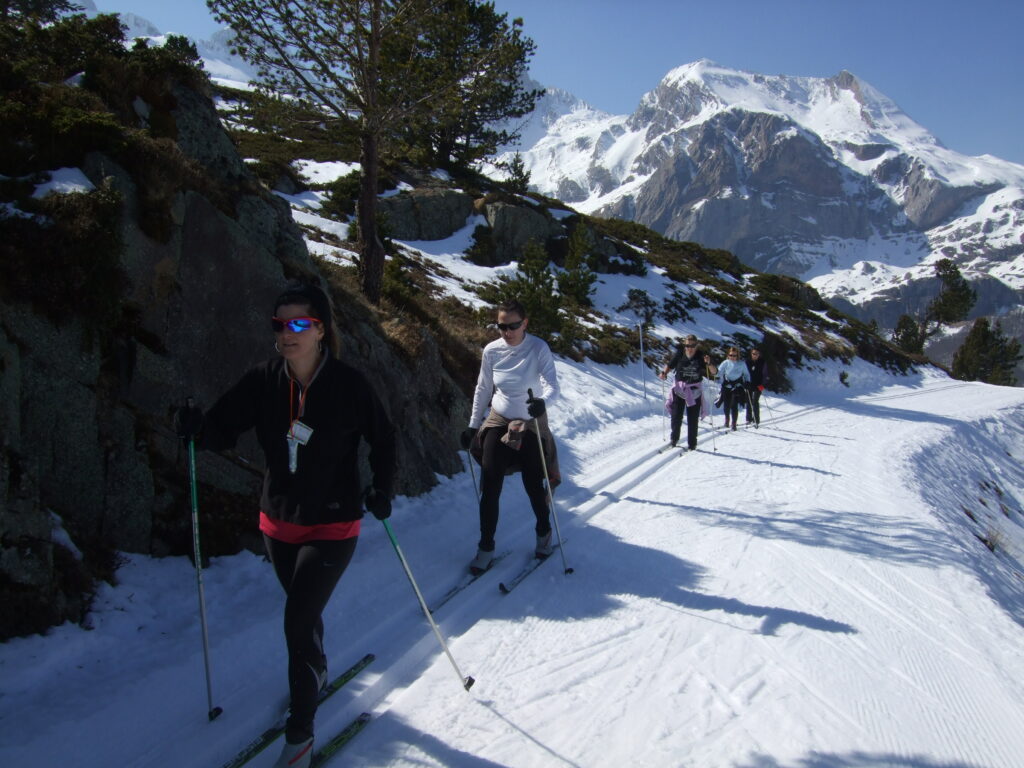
599,493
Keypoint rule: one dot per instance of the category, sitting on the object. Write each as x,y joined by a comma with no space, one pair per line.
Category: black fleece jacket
340,407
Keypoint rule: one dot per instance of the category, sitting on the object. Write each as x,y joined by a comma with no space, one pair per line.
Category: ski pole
467,682
664,437
213,711
711,413
643,380
770,411
750,406
472,472
551,499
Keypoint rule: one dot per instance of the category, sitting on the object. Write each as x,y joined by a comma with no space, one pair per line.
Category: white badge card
301,432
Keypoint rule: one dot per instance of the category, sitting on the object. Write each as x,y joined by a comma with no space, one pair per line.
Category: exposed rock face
513,226
426,214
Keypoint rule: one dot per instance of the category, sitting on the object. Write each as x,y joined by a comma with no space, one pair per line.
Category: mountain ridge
824,179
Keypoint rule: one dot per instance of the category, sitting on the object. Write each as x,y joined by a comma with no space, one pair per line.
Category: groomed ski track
610,481
734,686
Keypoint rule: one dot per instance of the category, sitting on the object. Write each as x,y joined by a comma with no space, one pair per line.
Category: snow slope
811,593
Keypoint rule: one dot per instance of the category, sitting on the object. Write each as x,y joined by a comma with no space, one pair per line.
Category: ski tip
468,683
504,589
214,713
568,571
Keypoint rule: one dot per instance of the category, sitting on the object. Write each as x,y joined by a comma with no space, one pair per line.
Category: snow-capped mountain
825,179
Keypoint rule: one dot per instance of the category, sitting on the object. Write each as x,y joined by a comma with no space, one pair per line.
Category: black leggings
692,412
754,405
497,457
308,572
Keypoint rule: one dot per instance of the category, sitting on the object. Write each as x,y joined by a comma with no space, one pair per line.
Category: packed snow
812,592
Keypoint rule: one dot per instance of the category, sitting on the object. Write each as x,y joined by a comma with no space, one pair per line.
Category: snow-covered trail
812,593
785,599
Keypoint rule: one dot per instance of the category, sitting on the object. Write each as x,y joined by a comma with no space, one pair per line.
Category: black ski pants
754,405
308,572
692,420
496,459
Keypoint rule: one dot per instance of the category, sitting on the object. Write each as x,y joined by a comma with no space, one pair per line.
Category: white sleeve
548,377
483,392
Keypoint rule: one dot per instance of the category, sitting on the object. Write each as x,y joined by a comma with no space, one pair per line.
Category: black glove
535,407
466,437
378,503
188,421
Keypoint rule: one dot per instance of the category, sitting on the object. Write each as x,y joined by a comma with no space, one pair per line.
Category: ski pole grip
530,393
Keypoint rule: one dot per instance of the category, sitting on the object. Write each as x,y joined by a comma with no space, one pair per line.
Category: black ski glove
378,503
535,407
466,437
188,421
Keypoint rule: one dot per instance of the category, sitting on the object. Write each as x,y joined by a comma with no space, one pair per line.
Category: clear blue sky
955,66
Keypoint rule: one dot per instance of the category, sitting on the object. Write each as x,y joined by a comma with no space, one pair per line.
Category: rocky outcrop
425,214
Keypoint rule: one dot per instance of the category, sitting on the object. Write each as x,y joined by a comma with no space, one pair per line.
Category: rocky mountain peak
812,177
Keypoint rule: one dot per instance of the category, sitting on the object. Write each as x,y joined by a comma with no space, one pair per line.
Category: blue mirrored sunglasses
293,324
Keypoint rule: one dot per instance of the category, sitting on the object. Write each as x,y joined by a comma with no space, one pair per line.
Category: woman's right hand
466,438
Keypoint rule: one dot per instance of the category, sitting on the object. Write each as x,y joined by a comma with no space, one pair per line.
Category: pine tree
908,335
518,177
987,355
484,57
957,297
576,283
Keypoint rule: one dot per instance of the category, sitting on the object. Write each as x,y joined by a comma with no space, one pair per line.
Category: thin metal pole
547,485
213,711
643,364
467,682
663,413
472,472
711,412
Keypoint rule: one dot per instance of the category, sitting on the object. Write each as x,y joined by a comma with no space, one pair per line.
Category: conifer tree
908,335
987,355
576,283
518,177
461,125
956,298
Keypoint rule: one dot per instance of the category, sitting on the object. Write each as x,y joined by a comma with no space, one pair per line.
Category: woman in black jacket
309,411
755,366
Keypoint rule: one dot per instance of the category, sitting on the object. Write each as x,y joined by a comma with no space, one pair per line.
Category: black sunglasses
510,326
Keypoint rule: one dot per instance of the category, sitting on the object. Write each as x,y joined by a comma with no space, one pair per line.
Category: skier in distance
735,377
756,369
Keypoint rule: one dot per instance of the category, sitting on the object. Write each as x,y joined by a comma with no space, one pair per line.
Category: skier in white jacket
511,366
